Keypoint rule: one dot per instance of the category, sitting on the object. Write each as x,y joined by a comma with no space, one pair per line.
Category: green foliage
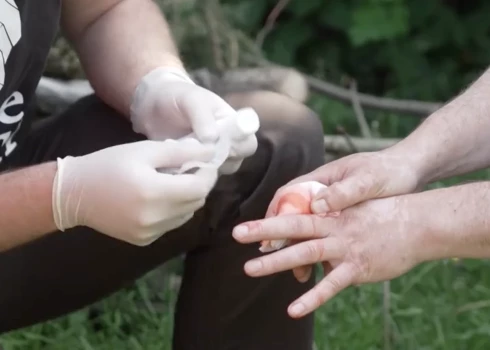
436,306
414,49
427,50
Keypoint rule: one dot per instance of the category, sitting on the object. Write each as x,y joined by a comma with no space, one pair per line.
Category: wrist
450,222
423,229
414,228
167,73
411,164
65,211
145,95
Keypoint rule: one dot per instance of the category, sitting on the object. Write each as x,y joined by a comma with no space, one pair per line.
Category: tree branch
413,107
55,95
271,21
339,144
361,118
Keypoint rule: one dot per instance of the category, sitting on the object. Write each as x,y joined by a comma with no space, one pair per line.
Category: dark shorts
219,307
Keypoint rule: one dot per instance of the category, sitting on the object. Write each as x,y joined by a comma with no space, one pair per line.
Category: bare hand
367,243
354,179
362,176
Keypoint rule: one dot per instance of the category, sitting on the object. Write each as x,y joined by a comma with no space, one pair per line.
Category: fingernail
297,309
304,277
253,266
240,231
319,206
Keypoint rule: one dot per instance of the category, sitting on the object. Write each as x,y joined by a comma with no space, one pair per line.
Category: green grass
441,305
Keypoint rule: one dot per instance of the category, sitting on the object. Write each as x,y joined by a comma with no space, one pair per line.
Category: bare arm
118,42
25,204
451,222
455,139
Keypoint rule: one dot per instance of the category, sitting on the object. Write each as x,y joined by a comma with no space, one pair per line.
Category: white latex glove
119,192
168,104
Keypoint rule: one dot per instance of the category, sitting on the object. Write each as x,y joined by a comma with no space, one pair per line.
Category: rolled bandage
232,128
295,200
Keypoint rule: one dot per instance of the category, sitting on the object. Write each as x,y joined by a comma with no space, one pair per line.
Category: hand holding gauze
119,192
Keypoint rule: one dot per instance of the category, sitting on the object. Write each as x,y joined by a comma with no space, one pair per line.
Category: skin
91,26
376,240
385,227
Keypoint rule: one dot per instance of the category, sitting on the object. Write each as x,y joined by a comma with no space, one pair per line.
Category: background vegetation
410,49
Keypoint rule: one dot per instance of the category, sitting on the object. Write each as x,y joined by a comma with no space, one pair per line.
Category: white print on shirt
10,33
11,110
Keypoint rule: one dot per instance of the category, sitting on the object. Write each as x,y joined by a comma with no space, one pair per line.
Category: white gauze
232,128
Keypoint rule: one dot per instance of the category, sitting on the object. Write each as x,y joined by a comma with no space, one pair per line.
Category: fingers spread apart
301,254
340,278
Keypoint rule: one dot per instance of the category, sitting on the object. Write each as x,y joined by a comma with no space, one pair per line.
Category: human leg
219,307
66,271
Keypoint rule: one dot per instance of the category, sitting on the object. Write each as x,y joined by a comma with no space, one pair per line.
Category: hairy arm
25,204
455,139
451,222
118,42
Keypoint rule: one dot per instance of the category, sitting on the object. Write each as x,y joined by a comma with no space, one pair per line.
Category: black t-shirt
27,31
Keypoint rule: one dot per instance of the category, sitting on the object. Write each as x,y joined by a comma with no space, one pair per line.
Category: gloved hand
168,104
119,192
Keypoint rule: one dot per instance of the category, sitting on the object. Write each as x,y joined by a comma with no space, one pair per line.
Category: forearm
450,222
26,204
455,139
121,46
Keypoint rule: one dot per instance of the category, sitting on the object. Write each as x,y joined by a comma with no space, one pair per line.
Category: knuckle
333,286
302,224
296,224
256,227
143,192
143,220
360,260
312,250
366,184
335,195
362,187
320,297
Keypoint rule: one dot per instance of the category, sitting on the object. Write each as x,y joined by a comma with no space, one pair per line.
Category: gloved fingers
174,153
241,125
203,112
231,166
187,187
176,223
155,232
185,208
303,273
244,149
239,151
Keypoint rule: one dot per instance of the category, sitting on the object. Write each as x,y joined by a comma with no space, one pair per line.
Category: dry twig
361,118
209,8
271,21
412,107
353,149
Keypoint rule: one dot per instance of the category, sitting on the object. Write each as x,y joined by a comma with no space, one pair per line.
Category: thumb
203,115
343,194
174,153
